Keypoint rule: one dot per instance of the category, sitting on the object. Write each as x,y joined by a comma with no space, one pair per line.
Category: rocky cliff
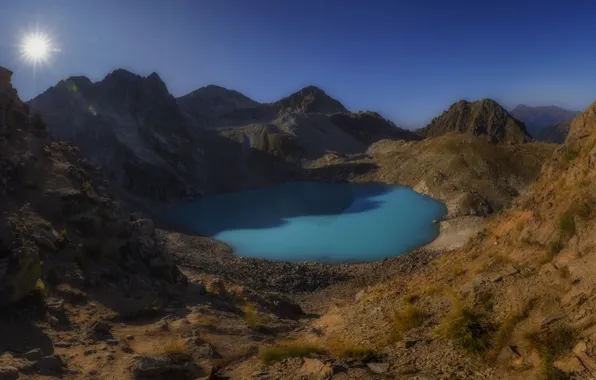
57,223
484,117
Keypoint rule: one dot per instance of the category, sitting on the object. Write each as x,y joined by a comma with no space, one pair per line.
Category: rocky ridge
485,117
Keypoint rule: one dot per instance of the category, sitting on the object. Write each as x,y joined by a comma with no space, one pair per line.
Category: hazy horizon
407,61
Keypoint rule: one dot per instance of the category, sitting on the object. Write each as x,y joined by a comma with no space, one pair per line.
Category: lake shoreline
313,285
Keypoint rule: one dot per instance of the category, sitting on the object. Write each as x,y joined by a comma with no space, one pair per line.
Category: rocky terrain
481,118
517,302
541,120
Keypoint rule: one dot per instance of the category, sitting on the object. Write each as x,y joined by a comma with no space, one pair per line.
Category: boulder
569,364
50,365
20,269
8,373
163,368
378,367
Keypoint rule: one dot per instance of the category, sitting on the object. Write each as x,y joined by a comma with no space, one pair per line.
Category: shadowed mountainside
539,120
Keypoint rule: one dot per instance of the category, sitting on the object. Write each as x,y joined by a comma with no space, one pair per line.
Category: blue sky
408,60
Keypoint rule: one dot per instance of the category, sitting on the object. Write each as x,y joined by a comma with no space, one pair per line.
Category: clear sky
408,60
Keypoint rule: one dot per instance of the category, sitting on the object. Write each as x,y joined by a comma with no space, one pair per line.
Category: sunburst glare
36,48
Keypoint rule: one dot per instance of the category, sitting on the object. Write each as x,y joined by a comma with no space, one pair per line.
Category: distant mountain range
154,146
541,122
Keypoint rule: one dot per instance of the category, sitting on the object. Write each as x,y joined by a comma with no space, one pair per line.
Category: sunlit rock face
132,127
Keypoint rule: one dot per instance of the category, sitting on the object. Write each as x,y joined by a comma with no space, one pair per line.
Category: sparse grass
277,353
344,350
404,320
503,335
567,223
552,344
468,329
458,270
175,348
253,317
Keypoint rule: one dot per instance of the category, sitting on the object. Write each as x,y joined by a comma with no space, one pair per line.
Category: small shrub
277,353
555,247
62,239
40,288
411,298
552,344
407,319
567,223
86,186
468,329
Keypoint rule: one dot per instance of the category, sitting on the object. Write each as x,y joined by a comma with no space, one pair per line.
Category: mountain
484,117
58,225
130,126
210,103
537,119
555,133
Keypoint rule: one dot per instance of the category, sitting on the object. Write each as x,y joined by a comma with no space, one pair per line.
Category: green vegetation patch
468,329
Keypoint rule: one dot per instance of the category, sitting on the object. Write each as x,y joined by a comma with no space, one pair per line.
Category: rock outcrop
57,222
484,117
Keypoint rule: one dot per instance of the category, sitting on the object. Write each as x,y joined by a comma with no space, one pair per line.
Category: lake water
314,221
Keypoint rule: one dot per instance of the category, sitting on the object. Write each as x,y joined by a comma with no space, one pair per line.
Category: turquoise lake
314,221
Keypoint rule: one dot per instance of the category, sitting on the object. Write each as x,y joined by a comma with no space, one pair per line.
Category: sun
36,48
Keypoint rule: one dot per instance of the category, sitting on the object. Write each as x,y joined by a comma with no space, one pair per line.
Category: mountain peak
310,99
483,117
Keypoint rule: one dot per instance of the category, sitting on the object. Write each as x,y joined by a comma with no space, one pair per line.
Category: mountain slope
484,117
537,119
556,133
130,126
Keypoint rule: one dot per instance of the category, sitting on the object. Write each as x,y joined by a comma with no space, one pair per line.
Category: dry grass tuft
505,331
349,351
404,320
278,353
253,317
